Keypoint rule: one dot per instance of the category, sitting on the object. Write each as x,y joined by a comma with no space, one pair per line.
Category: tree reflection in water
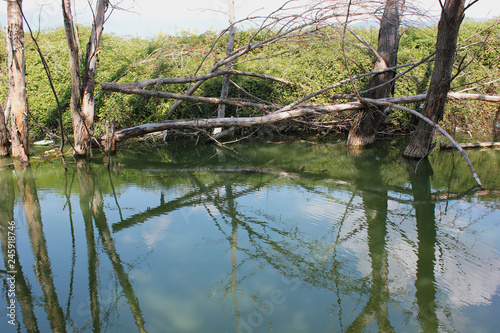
93,203
42,266
23,291
357,230
419,174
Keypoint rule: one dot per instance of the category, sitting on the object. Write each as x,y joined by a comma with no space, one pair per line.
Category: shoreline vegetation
289,70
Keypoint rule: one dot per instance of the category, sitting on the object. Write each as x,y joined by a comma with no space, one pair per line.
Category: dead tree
221,110
74,67
364,128
17,80
275,30
452,15
82,92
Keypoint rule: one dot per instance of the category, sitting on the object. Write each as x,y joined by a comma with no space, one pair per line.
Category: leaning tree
364,128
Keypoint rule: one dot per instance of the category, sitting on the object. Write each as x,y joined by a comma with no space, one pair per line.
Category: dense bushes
311,62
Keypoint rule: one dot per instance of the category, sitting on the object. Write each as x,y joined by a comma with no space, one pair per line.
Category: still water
281,237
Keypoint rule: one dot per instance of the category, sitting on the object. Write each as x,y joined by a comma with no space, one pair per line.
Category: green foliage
310,62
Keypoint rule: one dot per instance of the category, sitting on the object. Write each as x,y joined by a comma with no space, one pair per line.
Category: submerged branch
436,126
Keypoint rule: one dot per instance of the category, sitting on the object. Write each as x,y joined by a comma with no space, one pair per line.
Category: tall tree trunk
73,48
452,15
4,137
83,101
221,110
365,126
16,64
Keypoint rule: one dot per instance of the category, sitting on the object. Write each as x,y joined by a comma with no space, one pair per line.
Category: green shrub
311,62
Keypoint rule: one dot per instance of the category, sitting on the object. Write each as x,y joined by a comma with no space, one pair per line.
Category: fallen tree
272,112
287,112
276,113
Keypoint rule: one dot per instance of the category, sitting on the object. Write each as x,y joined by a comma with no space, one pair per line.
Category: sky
147,18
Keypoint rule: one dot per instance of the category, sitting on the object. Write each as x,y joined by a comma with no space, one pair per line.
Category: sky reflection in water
281,237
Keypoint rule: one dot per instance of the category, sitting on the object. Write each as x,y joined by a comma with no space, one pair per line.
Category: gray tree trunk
82,99
365,126
221,110
17,80
4,137
73,48
452,15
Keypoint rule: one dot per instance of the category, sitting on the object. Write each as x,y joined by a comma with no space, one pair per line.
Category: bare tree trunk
82,101
73,48
16,64
221,111
4,137
365,126
452,15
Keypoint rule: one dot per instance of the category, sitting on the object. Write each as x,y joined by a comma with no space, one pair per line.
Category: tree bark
17,80
74,67
83,100
365,126
452,15
4,138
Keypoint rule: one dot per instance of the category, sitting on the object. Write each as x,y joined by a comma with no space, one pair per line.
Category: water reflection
22,288
92,206
86,180
375,208
275,237
419,174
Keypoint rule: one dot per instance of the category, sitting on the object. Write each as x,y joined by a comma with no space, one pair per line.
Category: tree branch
196,78
436,126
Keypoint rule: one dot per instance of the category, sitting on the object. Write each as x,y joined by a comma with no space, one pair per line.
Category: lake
258,237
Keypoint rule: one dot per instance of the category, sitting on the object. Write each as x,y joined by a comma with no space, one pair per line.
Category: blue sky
148,17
